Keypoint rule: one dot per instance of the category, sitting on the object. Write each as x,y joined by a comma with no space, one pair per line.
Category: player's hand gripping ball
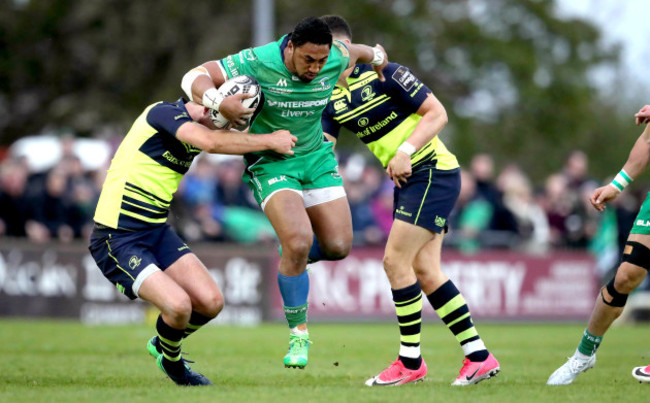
237,85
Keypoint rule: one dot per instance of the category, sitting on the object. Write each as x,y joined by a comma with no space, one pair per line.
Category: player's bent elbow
443,119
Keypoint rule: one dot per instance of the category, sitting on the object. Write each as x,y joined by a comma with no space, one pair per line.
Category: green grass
69,362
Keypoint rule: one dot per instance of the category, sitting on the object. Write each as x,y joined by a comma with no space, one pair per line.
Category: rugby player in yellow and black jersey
399,119
133,245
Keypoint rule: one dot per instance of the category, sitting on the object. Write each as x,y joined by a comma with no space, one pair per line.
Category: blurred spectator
81,195
197,212
231,190
362,182
580,223
482,168
558,203
13,209
576,170
49,211
471,216
382,207
532,223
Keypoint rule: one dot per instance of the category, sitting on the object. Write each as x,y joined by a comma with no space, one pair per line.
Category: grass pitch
67,362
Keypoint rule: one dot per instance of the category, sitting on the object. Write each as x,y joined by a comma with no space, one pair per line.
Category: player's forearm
199,87
360,53
434,119
639,157
238,143
427,128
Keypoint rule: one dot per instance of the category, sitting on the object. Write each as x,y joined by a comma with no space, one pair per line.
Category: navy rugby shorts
427,198
127,258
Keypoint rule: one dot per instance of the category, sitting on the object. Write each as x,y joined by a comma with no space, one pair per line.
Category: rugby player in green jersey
399,119
132,243
303,194
630,273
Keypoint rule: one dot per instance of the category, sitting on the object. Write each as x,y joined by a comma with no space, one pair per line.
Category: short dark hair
313,30
338,25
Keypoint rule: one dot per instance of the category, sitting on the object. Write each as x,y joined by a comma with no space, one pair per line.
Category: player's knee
297,245
429,279
627,278
178,309
392,262
212,304
337,249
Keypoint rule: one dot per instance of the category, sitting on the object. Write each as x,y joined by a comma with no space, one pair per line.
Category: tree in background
515,78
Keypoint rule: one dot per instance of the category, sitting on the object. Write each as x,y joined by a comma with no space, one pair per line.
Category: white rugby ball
238,85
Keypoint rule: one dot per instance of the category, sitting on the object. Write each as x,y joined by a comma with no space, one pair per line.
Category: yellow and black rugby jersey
383,114
146,170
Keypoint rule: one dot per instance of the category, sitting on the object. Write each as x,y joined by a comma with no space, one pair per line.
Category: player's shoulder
163,111
167,108
337,93
394,68
341,48
265,53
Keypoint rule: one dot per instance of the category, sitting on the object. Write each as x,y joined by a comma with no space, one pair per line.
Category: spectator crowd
495,209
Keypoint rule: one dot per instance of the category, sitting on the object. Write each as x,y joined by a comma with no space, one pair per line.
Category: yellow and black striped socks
170,340
408,305
196,322
450,305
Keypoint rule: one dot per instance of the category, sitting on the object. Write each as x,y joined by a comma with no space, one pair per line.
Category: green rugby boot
153,346
297,356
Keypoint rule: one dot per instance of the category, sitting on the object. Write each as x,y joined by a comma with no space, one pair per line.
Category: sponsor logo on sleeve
248,54
404,78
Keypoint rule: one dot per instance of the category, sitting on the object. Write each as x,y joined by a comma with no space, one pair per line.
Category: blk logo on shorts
281,178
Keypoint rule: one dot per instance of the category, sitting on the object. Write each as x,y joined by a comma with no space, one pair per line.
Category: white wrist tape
621,180
377,57
212,99
188,80
407,148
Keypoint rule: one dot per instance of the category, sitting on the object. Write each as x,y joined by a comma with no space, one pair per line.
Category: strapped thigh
637,254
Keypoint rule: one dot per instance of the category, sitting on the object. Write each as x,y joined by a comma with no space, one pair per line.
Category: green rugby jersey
383,114
289,103
146,170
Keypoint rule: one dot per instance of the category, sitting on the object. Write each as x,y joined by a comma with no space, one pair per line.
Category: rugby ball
238,85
